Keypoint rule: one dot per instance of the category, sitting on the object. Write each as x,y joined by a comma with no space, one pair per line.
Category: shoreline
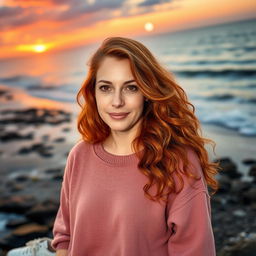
230,144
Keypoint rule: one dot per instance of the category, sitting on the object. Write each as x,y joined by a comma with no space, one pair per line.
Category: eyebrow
108,82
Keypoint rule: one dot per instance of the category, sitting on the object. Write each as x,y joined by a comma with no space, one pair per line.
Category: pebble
239,213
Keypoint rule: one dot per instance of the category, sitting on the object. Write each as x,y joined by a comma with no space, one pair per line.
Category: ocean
215,65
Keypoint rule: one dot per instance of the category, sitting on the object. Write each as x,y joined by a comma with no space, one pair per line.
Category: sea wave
216,73
233,119
229,96
207,62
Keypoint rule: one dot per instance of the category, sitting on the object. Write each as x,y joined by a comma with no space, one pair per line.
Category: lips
118,115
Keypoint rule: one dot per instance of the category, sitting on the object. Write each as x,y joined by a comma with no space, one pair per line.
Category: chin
119,129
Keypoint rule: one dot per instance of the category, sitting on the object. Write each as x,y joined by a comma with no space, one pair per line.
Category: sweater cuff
62,245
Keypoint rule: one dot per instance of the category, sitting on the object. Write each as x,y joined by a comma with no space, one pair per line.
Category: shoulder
80,146
187,186
194,161
79,149
191,181
76,157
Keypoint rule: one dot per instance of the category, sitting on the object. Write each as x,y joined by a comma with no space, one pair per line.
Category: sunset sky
36,26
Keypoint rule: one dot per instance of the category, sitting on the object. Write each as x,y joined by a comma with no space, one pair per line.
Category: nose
117,100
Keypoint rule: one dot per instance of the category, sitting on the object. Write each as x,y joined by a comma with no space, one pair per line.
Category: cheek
100,109
99,101
102,106
138,103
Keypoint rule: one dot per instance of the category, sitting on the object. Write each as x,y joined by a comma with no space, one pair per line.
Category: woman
137,182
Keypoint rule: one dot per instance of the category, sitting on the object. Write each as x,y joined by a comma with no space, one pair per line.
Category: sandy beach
229,144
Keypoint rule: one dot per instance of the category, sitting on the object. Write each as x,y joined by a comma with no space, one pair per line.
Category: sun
36,48
39,48
149,26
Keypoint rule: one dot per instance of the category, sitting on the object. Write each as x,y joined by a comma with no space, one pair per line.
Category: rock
40,148
10,241
16,187
249,161
241,248
22,234
35,116
229,168
45,154
58,177
21,178
227,164
50,223
2,253
42,212
54,171
58,140
17,204
239,186
29,229
24,151
224,184
252,171
239,213
17,222
217,202
233,200
250,196
10,136
66,129
45,138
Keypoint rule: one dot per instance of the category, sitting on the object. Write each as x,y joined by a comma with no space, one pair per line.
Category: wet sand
229,144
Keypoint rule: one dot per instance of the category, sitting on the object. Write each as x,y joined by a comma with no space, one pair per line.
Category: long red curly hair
169,125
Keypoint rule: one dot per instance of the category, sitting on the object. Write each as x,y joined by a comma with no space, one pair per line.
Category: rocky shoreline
233,210
29,201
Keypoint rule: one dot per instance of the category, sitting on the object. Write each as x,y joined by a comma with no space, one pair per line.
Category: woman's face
118,97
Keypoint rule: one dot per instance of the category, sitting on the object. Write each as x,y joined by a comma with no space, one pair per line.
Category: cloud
154,2
22,21
6,11
89,7
18,13
29,3
11,17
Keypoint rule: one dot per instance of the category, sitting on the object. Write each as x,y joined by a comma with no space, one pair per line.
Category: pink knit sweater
103,210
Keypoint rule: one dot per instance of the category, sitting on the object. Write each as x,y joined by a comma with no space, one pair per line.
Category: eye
132,88
104,88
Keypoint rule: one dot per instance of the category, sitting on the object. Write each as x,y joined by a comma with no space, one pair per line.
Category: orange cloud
32,3
58,24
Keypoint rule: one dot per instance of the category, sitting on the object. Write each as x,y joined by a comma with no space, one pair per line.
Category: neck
119,144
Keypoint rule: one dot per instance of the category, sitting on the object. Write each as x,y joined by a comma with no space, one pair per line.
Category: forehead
113,68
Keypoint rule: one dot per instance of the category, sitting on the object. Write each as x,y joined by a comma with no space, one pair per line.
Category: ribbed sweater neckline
111,159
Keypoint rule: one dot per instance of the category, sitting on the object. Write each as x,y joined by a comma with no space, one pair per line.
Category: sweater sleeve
189,217
61,228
